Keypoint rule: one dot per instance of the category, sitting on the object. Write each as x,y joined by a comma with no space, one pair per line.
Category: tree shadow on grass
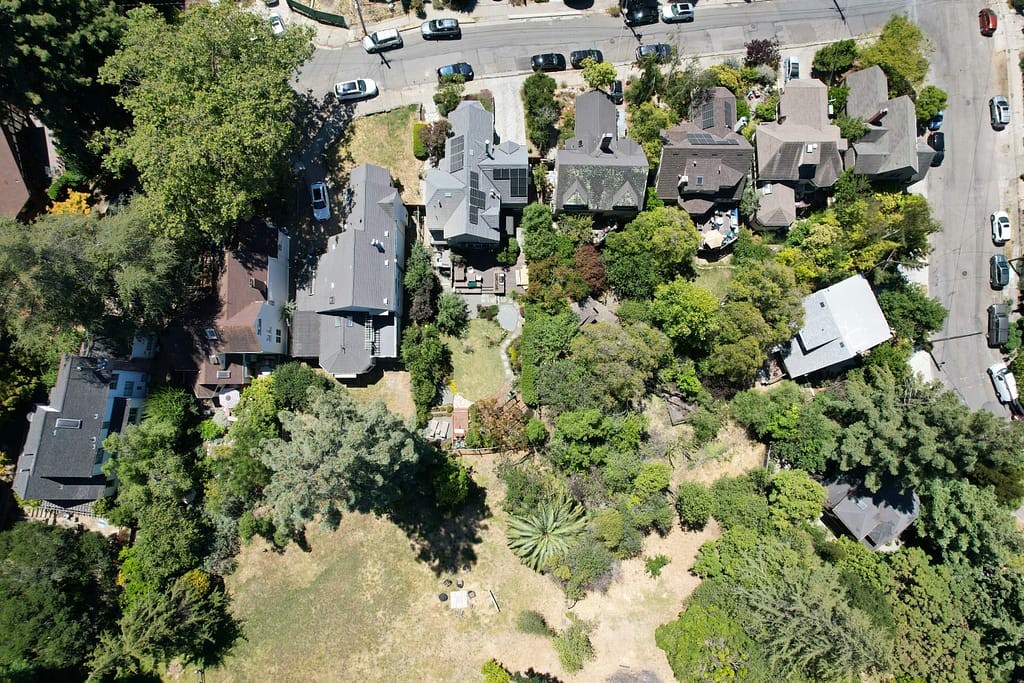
444,541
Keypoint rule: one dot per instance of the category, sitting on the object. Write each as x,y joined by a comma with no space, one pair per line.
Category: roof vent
211,334
683,181
68,423
223,374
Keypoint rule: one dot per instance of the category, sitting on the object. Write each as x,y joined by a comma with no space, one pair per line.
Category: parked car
576,57
386,39
640,15
458,69
935,122
790,69
276,25
320,201
661,52
677,11
1001,228
359,89
271,3
987,22
550,61
937,141
998,271
998,325
1004,382
615,92
999,111
441,29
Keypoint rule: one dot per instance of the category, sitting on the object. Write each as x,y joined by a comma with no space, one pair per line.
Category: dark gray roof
713,162
875,518
715,112
475,179
840,322
349,314
777,205
65,439
889,150
597,170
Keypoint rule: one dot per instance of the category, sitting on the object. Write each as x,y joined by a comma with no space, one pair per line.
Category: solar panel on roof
474,180
730,118
707,115
458,154
520,182
501,173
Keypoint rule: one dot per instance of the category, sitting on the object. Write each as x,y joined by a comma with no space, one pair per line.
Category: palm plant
547,532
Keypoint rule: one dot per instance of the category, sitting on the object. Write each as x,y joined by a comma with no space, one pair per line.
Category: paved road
978,176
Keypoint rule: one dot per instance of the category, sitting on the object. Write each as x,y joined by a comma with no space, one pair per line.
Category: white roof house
840,323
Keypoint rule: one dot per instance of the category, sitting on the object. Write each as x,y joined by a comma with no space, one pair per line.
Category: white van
387,39
1004,382
790,69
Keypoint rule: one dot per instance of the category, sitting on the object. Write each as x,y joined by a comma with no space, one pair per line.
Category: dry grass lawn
393,388
476,359
386,140
715,278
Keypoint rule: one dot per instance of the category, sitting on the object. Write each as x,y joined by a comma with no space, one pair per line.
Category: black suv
576,58
615,92
937,141
551,61
640,15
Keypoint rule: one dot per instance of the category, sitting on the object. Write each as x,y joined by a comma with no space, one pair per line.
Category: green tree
428,361
686,83
687,313
291,385
835,59
451,482
646,121
902,51
930,101
541,108
598,75
911,314
706,644
540,239
694,504
651,82
452,314
542,535
618,363
795,497
213,112
653,248
853,128
773,290
449,93
509,254
337,457
961,522
420,283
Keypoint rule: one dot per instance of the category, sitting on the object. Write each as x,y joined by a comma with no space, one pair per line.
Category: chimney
606,142
487,150
875,118
682,182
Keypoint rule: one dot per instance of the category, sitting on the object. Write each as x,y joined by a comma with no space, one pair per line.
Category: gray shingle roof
597,170
776,209
474,179
889,150
716,113
875,518
840,322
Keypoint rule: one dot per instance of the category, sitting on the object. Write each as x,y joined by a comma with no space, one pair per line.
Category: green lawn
386,140
715,278
477,360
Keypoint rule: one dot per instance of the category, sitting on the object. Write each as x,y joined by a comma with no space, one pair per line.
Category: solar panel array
707,115
708,139
729,116
520,182
458,159
477,199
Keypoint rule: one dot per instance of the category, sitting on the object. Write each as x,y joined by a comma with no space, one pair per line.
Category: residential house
841,322
466,197
28,159
240,331
349,312
704,161
597,171
874,518
63,456
798,155
890,149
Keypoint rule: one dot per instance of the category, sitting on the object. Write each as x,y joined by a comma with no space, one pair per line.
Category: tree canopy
653,248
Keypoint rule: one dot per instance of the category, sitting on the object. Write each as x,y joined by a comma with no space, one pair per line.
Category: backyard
715,278
385,140
476,359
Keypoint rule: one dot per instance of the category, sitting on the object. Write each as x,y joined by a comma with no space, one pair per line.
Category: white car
359,89
276,25
1000,227
1004,382
319,199
386,39
677,11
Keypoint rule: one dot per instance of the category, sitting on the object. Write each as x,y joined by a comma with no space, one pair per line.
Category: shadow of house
874,518
890,150
476,182
802,151
841,323
239,331
63,455
26,162
598,172
349,314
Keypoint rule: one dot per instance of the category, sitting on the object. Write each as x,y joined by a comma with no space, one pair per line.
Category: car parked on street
987,22
549,61
615,92
386,39
677,11
998,271
319,199
937,141
641,15
1004,382
359,89
661,52
999,112
790,69
458,69
1001,228
935,122
576,57
276,25
441,29
998,325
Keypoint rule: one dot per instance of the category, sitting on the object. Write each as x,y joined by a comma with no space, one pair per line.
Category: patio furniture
471,594
443,597
447,582
459,583
460,600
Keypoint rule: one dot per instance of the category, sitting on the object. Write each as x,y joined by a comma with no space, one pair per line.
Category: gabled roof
13,191
890,147
776,205
804,102
715,112
66,436
242,287
875,518
475,179
597,170
840,322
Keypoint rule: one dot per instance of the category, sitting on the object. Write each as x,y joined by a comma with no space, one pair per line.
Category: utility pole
359,11
834,2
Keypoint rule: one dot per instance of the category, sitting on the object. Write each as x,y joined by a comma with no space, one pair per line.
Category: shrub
584,566
694,505
616,12
69,180
654,565
433,137
762,51
210,430
533,623
417,8
536,432
573,644
449,94
835,59
510,254
705,422
418,150
450,482
539,536
769,109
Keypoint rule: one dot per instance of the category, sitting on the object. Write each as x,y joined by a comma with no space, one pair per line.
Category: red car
987,21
